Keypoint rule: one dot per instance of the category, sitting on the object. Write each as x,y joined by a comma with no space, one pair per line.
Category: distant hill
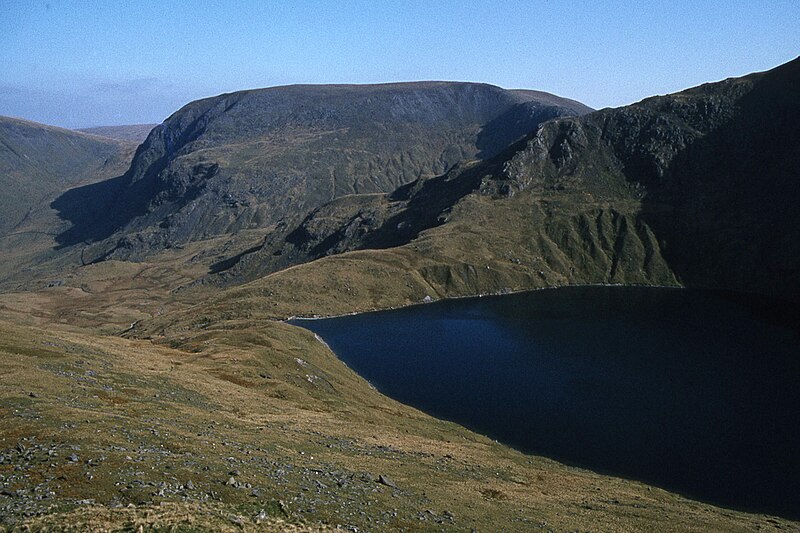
38,162
254,159
698,188
135,133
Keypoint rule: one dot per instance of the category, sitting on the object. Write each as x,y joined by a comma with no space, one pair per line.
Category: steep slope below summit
696,188
714,167
255,158
38,162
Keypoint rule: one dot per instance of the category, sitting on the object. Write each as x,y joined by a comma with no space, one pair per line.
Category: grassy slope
307,437
219,388
37,164
486,247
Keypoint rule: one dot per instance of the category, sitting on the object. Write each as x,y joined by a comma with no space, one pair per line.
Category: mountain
254,159
154,392
135,133
714,168
39,163
697,188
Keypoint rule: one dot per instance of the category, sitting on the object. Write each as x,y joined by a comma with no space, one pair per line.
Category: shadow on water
694,391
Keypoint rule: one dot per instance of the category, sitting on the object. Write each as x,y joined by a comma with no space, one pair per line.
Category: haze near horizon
80,64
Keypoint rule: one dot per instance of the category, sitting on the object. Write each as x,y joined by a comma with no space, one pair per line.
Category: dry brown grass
209,381
165,517
265,398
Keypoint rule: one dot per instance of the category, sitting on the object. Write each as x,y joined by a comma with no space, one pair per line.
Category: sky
74,63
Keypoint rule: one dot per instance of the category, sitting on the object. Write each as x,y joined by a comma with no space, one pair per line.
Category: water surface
693,391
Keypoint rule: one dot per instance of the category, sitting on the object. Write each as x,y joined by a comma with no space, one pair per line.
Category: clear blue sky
85,63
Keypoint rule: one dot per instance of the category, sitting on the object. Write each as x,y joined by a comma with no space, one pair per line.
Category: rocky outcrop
254,159
714,167
697,188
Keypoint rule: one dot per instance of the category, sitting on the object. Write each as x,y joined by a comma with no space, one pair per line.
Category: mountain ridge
655,165
250,159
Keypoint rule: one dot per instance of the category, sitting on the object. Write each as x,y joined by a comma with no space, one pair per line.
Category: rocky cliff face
715,169
255,158
698,188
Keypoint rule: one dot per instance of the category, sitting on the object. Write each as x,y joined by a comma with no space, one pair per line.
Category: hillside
254,159
696,188
39,163
144,390
714,169
135,133
232,429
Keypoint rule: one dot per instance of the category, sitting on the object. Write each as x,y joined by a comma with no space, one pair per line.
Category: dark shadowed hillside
255,158
37,162
715,169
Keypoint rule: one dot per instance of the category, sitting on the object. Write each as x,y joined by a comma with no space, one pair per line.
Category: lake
693,391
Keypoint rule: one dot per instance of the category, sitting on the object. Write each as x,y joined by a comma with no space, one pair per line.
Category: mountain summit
254,158
697,188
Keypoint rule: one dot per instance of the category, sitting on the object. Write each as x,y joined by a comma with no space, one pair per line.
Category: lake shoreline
677,315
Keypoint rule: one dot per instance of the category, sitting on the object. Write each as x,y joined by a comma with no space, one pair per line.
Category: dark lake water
693,391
